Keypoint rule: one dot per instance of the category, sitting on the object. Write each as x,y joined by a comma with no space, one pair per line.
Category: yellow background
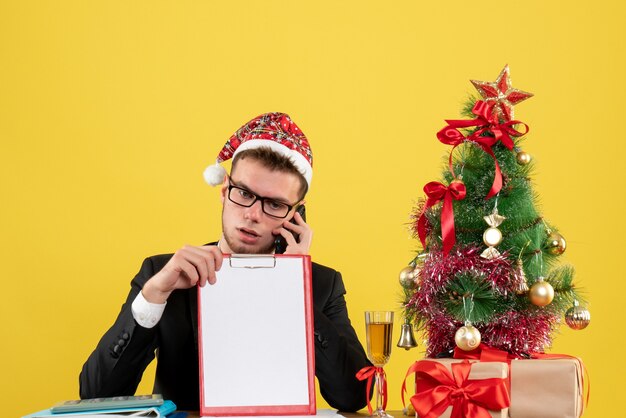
109,112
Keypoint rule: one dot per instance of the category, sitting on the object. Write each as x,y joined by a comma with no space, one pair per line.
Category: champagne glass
379,327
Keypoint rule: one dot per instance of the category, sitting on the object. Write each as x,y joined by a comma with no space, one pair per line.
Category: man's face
249,230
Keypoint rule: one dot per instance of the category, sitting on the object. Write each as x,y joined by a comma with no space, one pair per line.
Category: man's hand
304,232
188,266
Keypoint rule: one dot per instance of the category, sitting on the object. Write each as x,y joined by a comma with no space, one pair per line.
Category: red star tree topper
502,93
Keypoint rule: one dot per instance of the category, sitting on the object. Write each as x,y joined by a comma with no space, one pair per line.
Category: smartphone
280,243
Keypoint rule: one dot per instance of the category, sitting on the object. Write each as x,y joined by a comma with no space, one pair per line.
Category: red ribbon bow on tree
437,389
436,192
369,373
486,121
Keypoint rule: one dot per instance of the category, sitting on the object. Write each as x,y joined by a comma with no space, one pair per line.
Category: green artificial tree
488,269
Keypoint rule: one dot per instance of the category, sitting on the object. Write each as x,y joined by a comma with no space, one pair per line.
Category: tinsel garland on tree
489,258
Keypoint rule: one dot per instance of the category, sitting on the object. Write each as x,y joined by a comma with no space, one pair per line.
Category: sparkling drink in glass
379,329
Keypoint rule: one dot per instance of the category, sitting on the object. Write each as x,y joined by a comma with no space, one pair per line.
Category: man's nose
255,211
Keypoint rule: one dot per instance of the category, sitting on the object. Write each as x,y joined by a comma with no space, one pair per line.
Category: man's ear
224,189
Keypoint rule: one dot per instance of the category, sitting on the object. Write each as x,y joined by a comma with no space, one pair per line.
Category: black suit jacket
116,365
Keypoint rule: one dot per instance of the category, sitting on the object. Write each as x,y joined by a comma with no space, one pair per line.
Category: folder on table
255,336
123,409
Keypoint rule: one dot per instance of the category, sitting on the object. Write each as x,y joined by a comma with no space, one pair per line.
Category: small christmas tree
488,266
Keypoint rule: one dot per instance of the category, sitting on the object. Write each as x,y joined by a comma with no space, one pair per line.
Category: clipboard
255,337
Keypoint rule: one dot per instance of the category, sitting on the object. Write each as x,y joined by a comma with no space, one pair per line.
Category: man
270,175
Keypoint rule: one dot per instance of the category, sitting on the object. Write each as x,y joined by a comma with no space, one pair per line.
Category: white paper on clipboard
256,338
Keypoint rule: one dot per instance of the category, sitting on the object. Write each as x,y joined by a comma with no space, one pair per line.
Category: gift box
546,388
459,388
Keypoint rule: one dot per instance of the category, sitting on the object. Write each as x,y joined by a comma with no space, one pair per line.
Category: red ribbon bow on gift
368,373
486,121
437,389
436,192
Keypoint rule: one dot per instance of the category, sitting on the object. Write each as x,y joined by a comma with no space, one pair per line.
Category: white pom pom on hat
273,130
214,174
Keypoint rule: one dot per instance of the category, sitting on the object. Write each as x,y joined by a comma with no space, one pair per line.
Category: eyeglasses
246,198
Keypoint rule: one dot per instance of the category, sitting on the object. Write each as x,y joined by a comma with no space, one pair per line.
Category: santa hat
273,130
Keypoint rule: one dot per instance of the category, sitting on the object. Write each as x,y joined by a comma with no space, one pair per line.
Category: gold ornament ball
417,279
523,158
492,236
555,244
467,338
577,317
407,277
541,293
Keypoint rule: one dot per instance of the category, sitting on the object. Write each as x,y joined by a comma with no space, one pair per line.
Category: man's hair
273,161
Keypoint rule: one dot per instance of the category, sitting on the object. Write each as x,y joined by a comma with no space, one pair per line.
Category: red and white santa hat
273,130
